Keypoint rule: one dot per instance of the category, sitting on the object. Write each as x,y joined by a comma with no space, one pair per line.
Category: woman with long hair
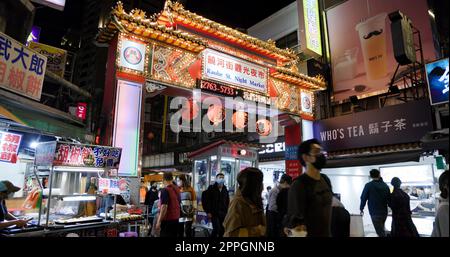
245,217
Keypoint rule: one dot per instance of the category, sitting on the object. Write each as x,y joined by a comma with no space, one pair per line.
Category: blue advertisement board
437,78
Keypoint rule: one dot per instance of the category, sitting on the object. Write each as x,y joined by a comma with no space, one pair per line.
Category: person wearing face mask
217,204
309,197
245,217
169,203
378,195
187,206
7,190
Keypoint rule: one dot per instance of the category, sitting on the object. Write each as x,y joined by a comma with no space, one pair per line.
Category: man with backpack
215,201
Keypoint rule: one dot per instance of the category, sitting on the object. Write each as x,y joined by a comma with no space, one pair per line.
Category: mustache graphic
373,33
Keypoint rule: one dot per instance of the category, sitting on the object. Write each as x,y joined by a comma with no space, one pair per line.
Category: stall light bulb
34,144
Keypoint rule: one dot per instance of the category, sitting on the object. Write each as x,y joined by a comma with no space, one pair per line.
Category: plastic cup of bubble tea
372,36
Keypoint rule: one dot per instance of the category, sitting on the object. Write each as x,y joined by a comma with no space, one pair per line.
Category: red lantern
240,119
190,110
263,127
216,114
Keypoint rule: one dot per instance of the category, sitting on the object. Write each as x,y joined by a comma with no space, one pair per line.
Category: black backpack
206,200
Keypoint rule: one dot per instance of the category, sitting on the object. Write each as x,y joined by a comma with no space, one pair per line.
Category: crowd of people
302,207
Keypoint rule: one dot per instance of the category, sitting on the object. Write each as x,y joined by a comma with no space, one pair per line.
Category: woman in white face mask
7,190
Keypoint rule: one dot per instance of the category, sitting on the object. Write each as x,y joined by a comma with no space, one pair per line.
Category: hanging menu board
77,155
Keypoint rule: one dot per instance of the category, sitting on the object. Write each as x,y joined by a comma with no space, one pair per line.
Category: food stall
79,188
227,157
75,189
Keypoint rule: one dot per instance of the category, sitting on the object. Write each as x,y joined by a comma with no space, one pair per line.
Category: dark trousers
169,228
218,229
272,224
150,222
378,223
185,229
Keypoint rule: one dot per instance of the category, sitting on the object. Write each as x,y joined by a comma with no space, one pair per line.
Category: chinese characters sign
86,156
437,75
9,146
21,69
293,137
78,155
112,186
56,58
403,123
81,110
228,69
311,38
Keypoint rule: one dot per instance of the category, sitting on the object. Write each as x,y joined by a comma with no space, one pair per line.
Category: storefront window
200,176
214,168
417,182
228,168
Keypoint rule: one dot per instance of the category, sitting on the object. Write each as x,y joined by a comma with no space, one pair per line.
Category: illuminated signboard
9,146
307,102
132,55
127,126
218,88
78,155
228,69
311,40
112,186
56,57
437,77
34,34
81,110
56,4
21,70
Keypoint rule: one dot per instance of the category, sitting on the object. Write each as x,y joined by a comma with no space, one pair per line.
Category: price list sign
9,146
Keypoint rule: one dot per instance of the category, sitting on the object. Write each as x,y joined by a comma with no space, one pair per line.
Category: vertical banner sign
293,140
21,70
9,146
127,124
81,110
309,26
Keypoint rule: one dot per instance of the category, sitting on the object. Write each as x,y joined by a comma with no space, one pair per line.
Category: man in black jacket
310,197
216,205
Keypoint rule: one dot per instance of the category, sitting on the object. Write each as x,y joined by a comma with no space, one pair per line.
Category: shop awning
374,159
30,121
5,114
221,142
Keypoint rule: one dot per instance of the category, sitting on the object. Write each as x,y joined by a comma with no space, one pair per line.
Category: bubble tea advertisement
361,48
